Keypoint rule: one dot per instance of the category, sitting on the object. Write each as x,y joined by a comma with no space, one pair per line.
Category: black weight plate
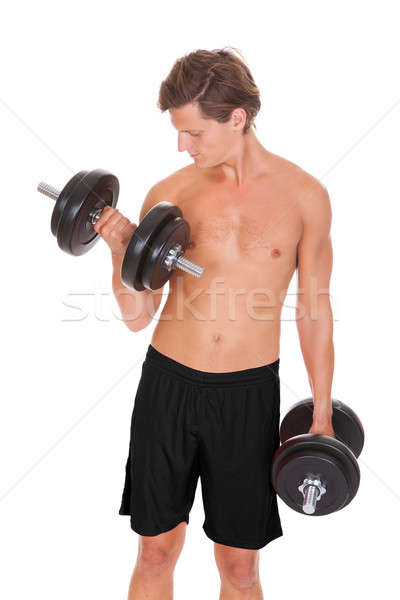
290,476
315,455
76,234
346,424
63,200
154,275
140,243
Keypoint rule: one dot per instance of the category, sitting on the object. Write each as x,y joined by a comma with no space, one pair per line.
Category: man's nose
183,144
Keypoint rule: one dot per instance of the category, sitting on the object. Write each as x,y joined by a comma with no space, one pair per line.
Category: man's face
209,140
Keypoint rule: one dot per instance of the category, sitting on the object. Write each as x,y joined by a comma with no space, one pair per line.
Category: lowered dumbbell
157,245
317,474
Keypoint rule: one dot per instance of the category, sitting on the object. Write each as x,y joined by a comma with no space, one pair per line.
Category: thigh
239,435
162,468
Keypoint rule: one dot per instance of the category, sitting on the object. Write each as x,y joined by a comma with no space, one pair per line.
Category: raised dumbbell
317,474
157,245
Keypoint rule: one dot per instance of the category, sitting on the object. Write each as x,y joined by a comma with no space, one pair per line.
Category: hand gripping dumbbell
317,474
157,245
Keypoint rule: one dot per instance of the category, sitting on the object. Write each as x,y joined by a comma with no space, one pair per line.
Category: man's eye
195,134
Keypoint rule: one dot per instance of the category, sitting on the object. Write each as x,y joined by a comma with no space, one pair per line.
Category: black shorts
221,427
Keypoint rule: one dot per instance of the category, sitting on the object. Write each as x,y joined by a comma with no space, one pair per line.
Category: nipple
191,244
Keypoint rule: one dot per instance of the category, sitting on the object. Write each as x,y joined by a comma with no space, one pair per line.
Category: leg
152,577
238,569
161,477
162,468
239,433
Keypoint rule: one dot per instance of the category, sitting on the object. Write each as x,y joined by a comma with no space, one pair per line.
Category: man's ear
238,118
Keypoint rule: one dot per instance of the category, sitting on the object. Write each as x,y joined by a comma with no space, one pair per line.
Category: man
207,404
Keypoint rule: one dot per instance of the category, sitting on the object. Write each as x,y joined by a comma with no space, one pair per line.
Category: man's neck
246,162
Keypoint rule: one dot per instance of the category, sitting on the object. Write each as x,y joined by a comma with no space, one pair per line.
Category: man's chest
260,223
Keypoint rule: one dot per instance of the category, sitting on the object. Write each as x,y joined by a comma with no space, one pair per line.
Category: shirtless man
207,404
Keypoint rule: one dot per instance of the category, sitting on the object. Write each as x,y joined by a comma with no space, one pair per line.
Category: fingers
106,214
111,219
118,228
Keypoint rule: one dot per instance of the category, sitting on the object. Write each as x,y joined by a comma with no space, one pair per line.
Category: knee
159,553
153,559
242,574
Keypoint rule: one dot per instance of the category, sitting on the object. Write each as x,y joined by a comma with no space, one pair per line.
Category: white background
79,85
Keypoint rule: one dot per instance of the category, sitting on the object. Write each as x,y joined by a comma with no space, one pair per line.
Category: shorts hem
151,532
246,545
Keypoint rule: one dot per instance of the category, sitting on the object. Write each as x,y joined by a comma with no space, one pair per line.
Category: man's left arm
313,312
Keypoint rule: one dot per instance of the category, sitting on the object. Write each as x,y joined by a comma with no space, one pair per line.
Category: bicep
314,255
153,197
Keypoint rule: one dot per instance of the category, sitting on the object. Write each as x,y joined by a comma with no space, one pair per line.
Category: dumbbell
157,245
317,474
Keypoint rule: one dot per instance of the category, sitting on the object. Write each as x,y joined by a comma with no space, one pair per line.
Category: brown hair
217,79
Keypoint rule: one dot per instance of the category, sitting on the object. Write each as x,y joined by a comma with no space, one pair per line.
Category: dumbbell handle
174,258
52,192
312,489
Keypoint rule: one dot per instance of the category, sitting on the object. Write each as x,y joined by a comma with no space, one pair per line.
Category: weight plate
154,275
63,199
141,241
96,189
319,456
346,424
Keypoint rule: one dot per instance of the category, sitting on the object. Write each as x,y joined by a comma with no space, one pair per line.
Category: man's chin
204,165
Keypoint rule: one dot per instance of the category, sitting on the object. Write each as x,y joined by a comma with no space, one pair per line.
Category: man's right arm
137,308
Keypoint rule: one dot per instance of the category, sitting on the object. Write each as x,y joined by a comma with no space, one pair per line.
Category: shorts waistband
252,375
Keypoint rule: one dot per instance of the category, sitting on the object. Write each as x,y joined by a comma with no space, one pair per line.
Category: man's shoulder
168,188
301,180
309,194
172,184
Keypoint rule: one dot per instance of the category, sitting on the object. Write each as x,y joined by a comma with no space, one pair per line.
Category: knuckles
112,226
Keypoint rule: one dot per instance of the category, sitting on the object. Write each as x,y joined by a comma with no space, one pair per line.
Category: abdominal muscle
221,323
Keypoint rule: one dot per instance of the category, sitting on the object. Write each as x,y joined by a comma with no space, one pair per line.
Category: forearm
318,352
137,307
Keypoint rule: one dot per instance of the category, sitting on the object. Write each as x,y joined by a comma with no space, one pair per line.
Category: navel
275,253
216,337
